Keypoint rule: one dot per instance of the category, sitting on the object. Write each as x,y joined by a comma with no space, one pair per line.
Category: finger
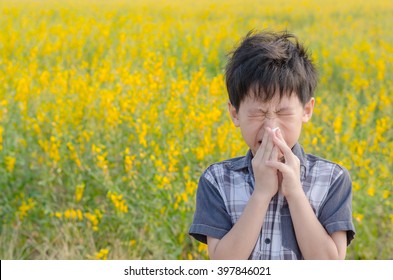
274,155
282,145
269,146
261,150
265,139
258,153
282,167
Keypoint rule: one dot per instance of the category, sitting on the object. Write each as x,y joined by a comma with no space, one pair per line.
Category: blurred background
111,110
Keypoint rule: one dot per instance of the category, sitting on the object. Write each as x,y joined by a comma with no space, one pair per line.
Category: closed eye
257,116
285,112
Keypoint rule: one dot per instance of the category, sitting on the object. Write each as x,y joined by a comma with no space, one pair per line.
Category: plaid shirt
225,188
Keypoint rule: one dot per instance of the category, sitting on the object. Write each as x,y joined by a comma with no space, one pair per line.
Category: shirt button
267,240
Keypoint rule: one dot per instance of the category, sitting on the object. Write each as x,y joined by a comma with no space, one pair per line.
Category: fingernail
275,129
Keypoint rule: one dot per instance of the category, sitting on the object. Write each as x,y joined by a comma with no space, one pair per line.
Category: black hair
267,62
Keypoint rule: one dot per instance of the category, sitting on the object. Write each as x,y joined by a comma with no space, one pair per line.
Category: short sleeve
211,217
336,211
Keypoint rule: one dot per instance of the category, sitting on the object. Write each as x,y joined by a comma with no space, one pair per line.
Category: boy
276,202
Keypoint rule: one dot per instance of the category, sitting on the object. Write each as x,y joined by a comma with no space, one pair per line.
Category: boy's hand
266,180
290,168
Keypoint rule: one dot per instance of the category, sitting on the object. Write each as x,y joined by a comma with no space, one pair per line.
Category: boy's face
255,116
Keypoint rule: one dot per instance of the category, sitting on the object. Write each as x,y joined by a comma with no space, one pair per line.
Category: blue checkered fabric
225,188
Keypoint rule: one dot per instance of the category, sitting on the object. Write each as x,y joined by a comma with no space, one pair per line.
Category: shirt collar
299,152
242,162
245,162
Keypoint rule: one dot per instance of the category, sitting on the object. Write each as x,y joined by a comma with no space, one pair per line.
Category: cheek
251,127
291,133
250,133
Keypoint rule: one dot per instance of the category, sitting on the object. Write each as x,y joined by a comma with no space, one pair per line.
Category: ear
233,114
308,110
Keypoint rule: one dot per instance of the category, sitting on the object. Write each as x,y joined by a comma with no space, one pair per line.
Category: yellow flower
358,217
381,69
128,161
25,207
1,137
385,194
356,185
67,214
191,187
202,247
10,163
93,219
371,191
337,125
79,214
54,146
74,155
163,182
79,189
184,197
118,201
72,214
102,254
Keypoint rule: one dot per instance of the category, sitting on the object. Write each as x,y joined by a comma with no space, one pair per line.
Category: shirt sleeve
211,217
336,212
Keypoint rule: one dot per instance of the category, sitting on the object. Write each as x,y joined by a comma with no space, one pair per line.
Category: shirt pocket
288,237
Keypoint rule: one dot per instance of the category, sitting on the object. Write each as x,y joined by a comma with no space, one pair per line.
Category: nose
270,121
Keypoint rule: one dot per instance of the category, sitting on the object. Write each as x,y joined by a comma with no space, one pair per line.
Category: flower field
111,110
